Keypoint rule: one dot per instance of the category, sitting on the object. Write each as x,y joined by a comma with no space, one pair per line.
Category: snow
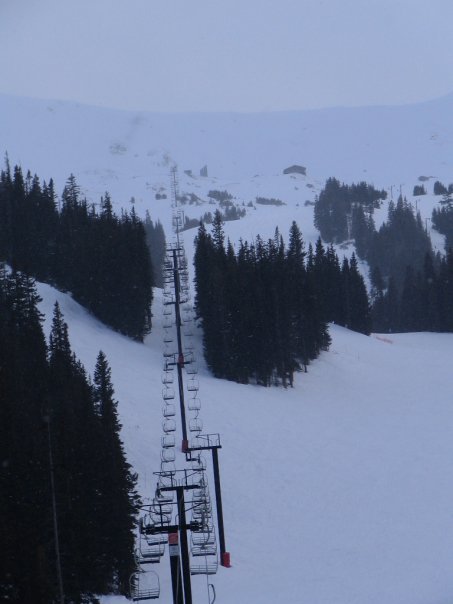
338,490
129,153
334,491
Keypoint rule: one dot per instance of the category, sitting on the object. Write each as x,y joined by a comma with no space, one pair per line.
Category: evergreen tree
117,484
442,219
392,304
429,298
103,261
359,311
336,203
419,190
400,242
25,520
155,238
445,292
362,230
378,300
439,188
259,311
96,511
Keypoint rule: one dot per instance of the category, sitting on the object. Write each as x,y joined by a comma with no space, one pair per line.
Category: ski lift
213,598
168,394
195,425
194,404
193,385
191,369
205,549
206,568
167,377
158,539
150,552
144,585
169,410
168,454
168,425
167,467
168,351
168,441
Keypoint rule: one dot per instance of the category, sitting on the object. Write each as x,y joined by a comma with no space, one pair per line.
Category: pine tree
116,485
359,306
392,308
258,308
155,238
411,306
25,525
78,469
439,188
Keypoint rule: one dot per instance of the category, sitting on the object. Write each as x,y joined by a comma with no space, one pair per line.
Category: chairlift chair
195,425
168,454
168,425
206,568
194,404
168,441
168,410
168,394
193,385
144,585
167,377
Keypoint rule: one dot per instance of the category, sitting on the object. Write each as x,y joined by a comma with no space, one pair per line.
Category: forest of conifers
62,460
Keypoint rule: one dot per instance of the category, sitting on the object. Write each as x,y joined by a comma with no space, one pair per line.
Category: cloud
232,55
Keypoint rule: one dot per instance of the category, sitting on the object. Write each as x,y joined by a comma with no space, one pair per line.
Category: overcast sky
234,55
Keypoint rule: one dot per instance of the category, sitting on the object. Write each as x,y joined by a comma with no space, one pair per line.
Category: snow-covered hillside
129,154
336,491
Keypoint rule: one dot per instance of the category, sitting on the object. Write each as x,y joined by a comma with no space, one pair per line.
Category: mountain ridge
385,144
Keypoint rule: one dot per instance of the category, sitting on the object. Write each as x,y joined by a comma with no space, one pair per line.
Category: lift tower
181,512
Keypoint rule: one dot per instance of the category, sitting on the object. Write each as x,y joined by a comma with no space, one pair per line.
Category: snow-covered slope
129,153
336,491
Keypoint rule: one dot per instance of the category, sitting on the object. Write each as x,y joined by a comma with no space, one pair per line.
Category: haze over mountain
259,55
129,153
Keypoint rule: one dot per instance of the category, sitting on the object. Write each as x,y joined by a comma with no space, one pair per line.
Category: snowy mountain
129,154
337,490
125,151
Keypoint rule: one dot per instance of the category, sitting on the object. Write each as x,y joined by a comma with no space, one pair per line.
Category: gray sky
234,55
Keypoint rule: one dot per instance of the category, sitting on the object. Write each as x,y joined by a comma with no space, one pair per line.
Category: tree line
67,495
442,218
264,310
334,206
102,259
410,285
422,302
401,241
